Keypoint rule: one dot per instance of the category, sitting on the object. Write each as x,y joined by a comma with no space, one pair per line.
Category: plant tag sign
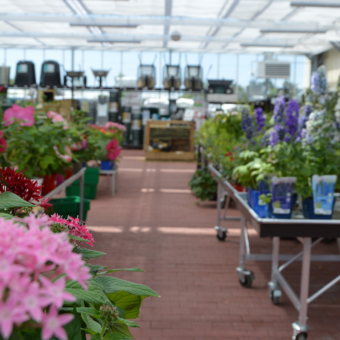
282,193
323,194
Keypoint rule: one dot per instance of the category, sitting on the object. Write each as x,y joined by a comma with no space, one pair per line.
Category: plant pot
257,205
68,206
107,165
90,184
308,210
68,173
49,184
281,216
60,179
238,187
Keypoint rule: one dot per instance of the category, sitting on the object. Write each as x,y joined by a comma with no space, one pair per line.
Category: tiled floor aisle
154,223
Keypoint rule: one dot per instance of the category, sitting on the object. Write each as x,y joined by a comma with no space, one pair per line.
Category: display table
114,179
169,140
300,228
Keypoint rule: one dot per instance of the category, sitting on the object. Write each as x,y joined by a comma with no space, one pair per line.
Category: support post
81,186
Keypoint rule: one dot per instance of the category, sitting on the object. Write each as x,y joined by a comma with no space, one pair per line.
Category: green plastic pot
68,206
90,185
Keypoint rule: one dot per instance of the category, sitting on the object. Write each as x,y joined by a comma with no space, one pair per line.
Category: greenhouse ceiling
215,26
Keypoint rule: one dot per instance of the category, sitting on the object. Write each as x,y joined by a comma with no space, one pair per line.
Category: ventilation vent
273,69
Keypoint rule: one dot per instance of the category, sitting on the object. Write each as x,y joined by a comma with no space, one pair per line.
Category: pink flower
55,293
56,118
52,324
113,150
113,125
67,156
3,143
10,314
26,115
33,301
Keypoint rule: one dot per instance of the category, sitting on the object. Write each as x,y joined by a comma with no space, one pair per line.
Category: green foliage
203,185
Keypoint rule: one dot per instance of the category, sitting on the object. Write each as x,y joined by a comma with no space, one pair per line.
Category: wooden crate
174,135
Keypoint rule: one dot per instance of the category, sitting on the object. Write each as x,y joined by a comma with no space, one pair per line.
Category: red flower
3,143
17,183
44,203
113,150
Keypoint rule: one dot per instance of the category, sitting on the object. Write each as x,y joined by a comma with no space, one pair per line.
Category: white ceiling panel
135,7
246,9
198,8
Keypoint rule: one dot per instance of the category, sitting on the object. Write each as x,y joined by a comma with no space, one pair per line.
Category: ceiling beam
94,19
315,4
167,13
154,37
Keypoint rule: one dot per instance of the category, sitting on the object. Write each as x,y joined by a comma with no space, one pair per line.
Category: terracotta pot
49,183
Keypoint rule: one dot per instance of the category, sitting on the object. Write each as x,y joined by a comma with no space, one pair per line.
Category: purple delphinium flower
260,120
315,80
308,110
273,137
292,120
248,124
279,109
280,130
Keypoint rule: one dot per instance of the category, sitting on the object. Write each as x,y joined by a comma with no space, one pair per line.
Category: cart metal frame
303,229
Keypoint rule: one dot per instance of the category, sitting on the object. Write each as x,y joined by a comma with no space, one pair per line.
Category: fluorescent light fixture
102,25
314,4
293,30
266,45
114,41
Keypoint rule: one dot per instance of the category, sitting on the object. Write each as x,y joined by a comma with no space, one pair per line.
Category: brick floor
155,223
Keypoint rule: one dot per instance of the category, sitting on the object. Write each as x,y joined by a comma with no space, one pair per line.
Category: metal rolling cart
79,175
300,228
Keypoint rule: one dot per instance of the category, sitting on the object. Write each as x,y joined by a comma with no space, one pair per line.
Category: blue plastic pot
308,210
254,203
107,165
282,216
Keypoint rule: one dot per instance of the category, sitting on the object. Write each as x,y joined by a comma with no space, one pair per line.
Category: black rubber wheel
301,336
221,236
247,281
275,299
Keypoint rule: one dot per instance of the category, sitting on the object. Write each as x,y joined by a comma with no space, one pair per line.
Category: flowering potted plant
38,145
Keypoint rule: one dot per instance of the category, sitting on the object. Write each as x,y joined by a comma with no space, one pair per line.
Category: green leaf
116,336
8,200
97,336
83,310
87,296
88,253
91,324
77,238
90,331
95,268
6,216
129,323
73,284
73,328
128,302
122,329
112,284
122,269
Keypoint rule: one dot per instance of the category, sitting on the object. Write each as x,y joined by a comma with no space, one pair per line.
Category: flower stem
103,329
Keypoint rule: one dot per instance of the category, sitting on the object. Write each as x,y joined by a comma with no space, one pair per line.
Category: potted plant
203,185
38,146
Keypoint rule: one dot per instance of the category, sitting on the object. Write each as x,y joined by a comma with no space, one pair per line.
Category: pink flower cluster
57,118
23,114
74,227
31,259
113,150
113,125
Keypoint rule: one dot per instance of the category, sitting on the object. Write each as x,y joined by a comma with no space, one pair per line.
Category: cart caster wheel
221,236
247,281
275,297
301,336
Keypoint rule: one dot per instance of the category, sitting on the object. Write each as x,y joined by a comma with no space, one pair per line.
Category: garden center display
48,288
298,141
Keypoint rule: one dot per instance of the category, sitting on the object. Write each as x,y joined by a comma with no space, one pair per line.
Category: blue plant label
282,194
323,194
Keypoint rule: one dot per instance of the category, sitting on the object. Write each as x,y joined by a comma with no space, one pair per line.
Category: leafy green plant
203,185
